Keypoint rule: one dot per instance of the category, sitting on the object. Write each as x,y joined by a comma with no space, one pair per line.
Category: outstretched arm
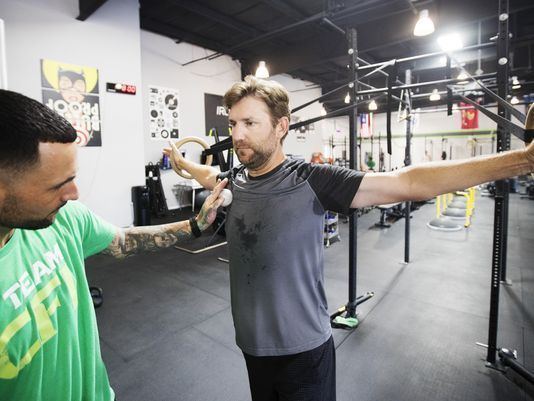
431,179
133,240
205,175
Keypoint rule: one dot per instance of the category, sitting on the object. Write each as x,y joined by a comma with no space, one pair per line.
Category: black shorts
308,376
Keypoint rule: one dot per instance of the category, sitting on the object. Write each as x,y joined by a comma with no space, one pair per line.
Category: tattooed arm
133,240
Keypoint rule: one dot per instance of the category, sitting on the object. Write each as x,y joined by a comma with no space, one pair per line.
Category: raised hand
208,212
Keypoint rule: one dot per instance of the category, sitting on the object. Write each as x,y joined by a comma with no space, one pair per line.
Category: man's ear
282,127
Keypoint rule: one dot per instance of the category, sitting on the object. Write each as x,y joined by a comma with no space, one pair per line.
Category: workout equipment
389,210
158,203
141,205
218,223
228,197
191,139
442,223
337,321
445,215
500,234
200,198
97,295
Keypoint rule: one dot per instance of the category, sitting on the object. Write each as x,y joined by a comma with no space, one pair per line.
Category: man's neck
5,235
277,158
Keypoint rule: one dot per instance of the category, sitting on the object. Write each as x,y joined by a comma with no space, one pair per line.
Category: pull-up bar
427,55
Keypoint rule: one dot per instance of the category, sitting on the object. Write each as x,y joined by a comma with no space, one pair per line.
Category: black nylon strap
194,227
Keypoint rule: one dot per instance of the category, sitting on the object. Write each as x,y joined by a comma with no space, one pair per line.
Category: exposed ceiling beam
173,32
285,8
216,16
88,7
288,28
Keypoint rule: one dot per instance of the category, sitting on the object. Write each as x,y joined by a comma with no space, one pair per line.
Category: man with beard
49,347
274,230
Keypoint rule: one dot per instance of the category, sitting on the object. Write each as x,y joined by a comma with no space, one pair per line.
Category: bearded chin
27,224
255,161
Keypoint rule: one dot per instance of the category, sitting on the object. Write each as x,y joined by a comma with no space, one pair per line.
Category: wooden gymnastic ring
201,142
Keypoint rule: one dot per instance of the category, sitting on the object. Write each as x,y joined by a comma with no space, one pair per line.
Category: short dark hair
24,123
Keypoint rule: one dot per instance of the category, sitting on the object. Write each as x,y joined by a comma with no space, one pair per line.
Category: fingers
215,200
174,148
173,165
219,187
218,202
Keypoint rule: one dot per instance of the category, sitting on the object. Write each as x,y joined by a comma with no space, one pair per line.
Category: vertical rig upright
353,132
498,260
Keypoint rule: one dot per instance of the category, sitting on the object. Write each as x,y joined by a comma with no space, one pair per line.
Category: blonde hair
272,93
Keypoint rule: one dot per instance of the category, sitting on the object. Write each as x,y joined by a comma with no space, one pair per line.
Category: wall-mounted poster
216,115
301,131
72,91
164,114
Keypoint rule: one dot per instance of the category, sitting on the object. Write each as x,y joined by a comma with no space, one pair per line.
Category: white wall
109,40
300,93
161,60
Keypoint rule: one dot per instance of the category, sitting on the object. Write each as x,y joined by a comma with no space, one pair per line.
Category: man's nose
71,192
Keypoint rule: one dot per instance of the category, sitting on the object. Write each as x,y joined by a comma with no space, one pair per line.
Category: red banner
469,116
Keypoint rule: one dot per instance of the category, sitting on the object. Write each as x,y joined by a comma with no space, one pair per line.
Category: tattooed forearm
133,240
147,238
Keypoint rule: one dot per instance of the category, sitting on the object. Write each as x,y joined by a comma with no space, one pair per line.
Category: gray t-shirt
274,229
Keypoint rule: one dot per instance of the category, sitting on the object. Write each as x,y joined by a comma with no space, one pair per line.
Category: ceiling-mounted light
450,42
515,83
424,25
347,98
372,105
323,111
514,100
462,76
262,71
434,96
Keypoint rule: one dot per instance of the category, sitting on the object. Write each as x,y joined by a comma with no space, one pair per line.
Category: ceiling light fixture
514,100
450,42
262,71
372,105
424,25
347,98
462,76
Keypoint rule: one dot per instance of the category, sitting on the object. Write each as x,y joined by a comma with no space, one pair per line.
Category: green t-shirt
49,347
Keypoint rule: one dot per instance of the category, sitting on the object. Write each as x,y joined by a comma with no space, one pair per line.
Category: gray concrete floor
167,334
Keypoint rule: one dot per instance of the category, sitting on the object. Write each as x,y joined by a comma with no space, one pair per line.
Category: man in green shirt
49,347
